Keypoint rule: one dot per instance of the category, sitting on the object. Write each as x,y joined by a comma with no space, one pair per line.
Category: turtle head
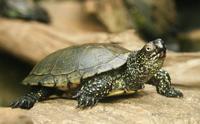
153,51
147,61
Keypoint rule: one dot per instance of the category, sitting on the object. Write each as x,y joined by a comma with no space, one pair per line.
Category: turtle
24,9
93,71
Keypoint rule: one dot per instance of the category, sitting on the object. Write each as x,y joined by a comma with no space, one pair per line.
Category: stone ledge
145,107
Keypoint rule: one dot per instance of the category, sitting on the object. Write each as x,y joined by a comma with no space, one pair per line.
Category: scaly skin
143,66
93,90
36,94
99,87
162,81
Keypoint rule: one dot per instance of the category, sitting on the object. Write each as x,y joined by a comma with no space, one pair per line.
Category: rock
111,13
150,17
68,16
145,107
26,10
184,69
153,18
44,39
9,116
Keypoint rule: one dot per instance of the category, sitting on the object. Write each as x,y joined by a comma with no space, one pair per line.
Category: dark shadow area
188,14
188,21
12,72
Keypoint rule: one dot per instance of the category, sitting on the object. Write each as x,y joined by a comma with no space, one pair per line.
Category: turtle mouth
163,54
159,54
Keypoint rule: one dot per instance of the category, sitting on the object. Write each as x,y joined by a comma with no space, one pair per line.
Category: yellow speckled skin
91,72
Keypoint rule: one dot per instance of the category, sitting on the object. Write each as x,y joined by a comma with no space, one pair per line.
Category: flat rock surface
184,68
144,107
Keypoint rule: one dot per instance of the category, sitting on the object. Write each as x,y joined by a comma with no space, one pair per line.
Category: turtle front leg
162,81
27,101
92,91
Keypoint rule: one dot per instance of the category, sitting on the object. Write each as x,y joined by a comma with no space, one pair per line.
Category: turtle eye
148,48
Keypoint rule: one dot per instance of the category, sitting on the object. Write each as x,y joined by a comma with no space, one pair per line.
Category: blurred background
31,29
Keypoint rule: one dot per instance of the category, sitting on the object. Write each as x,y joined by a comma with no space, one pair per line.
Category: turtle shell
72,64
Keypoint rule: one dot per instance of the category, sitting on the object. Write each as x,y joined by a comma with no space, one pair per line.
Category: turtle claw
23,102
171,92
85,101
174,93
14,104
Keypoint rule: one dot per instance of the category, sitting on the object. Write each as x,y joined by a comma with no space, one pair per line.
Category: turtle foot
85,101
173,93
24,102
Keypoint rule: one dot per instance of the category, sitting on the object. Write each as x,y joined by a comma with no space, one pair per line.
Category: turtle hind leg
37,94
